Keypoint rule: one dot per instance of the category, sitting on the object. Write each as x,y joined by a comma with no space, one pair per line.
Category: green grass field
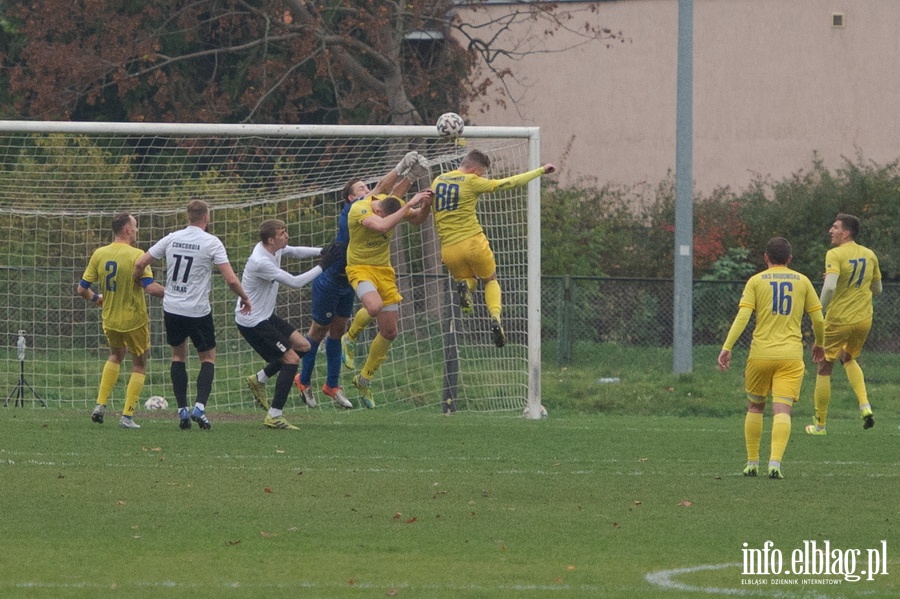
593,502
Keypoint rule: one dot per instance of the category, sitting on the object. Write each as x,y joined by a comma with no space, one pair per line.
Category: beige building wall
774,81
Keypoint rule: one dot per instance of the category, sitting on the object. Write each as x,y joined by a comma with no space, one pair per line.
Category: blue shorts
331,298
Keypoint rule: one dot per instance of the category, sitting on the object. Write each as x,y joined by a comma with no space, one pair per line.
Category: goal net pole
61,183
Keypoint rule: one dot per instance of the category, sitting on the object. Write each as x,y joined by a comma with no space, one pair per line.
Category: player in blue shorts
332,295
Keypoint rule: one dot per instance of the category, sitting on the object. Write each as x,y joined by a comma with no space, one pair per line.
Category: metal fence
639,312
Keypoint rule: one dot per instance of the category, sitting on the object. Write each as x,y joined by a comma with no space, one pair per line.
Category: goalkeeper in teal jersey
464,247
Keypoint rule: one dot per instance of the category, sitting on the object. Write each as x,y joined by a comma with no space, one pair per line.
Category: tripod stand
19,389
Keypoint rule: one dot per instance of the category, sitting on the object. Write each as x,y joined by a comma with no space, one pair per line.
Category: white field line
666,579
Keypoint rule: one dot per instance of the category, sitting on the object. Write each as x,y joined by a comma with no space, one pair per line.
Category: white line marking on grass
666,580
326,586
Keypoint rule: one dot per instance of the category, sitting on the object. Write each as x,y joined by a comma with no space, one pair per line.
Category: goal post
61,183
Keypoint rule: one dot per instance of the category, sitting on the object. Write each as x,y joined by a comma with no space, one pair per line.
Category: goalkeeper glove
419,169
404,165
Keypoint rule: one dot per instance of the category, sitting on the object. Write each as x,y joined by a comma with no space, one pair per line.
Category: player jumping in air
464,246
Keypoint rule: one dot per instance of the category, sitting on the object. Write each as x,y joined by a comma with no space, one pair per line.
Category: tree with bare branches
294,61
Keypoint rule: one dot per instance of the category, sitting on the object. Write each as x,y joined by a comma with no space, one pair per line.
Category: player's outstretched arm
523,178
298,281
396,176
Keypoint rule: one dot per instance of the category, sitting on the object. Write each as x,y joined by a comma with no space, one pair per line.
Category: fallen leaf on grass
570,568
233,542
279,451
686,504
616,525
267,489
152,448
267,535
412,520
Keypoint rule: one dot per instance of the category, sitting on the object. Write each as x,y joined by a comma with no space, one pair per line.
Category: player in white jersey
190,254
274,338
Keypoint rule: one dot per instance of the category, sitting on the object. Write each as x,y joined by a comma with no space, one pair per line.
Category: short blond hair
196,210
476,158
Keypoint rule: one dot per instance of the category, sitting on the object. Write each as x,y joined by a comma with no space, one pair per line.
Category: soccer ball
526,413
156,403
450,124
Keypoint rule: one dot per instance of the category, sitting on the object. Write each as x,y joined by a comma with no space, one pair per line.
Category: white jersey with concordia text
262,275
190,255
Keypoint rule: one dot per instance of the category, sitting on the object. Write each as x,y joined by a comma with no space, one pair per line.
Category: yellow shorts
846,337
137,341
382,277
782,378
470,258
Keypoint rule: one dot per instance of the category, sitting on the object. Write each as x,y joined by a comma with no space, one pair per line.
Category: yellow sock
857,381
133,393
360,321
822,397
753,426
377,353
107,381
492,297
781,432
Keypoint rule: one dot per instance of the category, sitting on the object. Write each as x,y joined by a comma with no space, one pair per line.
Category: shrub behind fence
639,312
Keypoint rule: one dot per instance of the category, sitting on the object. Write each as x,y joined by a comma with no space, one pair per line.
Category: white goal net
61,184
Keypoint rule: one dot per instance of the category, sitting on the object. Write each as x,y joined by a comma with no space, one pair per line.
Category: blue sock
308,363
333,357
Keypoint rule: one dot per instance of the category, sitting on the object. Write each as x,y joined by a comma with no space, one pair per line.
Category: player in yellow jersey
852,275
371,222
779,296
464,247
125,320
